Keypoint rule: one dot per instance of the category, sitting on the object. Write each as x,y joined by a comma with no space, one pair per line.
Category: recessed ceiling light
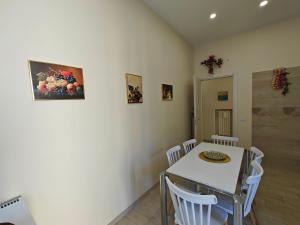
263,3
212,16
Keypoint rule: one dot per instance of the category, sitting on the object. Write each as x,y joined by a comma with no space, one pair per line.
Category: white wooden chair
189,145
256,154
253,154
195,209
252,181
173,154
223,140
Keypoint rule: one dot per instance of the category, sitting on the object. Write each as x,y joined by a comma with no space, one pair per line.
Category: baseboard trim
126,211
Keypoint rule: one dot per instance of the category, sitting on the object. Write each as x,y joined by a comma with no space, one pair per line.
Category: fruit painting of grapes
134,88
54,81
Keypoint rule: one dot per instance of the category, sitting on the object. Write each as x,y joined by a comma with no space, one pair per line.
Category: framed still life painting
53,81
134,88
167,92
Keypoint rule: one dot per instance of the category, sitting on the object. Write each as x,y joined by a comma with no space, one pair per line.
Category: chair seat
218,216
225,203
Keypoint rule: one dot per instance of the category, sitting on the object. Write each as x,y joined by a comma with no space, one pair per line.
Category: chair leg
254,210
170,207
171,210
253,217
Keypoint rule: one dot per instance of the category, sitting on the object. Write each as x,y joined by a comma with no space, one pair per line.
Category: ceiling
190,18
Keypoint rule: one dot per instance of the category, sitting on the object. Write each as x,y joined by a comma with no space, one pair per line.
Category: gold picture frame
51,81
134,88
167,92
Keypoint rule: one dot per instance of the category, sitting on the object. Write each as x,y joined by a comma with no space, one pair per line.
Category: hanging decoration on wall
134,88
54,81
280,80
223,96
211,62
167,92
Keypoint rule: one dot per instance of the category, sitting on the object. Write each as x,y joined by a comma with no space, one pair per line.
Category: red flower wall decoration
211,62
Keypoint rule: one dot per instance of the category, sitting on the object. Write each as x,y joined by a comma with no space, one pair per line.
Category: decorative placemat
221,157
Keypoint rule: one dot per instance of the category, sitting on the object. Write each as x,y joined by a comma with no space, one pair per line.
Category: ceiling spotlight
212,16
263,3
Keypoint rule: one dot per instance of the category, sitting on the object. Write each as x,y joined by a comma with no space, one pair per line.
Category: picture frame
223,96
134,88
52,81
167,92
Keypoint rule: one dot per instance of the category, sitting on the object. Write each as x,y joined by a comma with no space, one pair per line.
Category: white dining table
220,177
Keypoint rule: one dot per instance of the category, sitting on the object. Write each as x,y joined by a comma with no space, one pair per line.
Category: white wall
263,49
83,162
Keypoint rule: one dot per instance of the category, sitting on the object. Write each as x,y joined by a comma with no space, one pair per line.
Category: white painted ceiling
190,18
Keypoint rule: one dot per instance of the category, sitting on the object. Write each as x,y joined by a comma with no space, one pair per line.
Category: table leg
163,199
238,210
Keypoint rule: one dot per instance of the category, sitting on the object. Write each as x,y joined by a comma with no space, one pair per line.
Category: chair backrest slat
201,213
186,212
180,208
189,145
208,212
194,216
223,140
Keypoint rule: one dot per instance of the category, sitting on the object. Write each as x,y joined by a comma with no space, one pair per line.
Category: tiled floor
277,200
146,212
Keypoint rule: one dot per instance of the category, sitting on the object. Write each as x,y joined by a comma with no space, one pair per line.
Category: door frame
198,115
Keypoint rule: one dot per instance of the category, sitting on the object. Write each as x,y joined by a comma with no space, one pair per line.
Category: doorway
213,107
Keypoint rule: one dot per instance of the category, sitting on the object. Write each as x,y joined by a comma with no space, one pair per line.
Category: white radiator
223,122
15,212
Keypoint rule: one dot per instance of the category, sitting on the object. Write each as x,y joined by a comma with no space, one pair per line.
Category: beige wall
276,131
209,92
259,50
83,162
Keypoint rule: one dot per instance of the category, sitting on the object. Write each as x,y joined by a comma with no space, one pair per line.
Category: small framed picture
167,92
223,96
134,86
55,82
